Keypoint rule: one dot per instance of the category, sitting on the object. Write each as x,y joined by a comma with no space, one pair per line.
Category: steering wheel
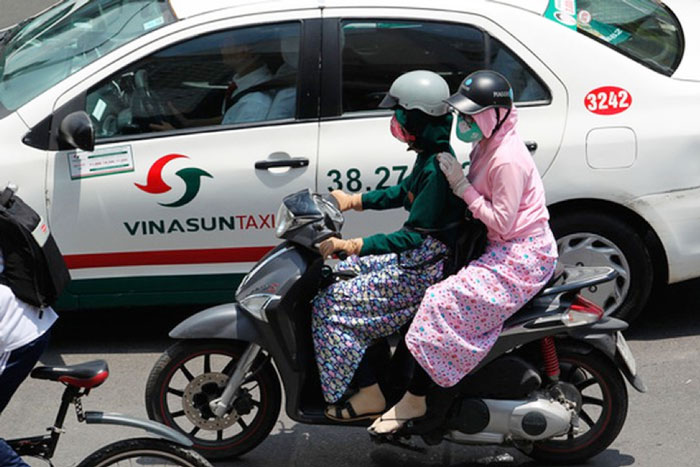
147,105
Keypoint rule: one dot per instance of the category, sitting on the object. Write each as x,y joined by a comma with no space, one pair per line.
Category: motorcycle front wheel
602,413
144,451
190,374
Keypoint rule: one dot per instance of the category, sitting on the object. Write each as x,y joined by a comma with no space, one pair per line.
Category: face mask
399,132
468,131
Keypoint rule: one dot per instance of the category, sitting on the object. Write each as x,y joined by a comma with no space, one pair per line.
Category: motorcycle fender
227,321
601,336
157,429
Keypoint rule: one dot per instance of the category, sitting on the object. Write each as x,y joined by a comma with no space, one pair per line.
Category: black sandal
338,416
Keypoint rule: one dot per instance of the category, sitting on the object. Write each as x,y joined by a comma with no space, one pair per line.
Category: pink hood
506,191
507,134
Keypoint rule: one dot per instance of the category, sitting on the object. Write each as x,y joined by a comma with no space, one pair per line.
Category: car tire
598,239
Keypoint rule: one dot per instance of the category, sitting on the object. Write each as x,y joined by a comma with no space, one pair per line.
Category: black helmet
482,90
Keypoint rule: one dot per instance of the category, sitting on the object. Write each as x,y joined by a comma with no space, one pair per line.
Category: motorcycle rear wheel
190,374
602,414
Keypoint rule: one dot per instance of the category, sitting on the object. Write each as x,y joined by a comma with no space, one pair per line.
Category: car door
357,151
197,144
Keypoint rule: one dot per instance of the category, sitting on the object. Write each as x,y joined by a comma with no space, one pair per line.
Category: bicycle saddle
84,375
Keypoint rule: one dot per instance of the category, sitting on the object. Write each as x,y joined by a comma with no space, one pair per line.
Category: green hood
432,133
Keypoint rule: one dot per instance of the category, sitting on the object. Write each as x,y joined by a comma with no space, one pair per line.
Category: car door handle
531,146
294,163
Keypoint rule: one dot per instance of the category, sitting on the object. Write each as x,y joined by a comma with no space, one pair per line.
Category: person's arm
425,213
387,198
498,214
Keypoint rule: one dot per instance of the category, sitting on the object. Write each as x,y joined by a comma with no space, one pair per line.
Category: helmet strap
498,119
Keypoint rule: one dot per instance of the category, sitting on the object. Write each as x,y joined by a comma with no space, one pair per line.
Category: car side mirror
76,130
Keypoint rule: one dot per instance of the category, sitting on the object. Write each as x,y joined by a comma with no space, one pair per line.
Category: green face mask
468,131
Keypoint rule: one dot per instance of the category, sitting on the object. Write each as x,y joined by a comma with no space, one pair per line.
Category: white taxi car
176,199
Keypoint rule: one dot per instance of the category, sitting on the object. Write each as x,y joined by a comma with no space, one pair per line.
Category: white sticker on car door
107,161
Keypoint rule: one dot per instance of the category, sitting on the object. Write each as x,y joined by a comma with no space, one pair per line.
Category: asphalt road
661,428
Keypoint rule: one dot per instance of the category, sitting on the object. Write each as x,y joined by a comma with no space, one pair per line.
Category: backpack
469,243
34,267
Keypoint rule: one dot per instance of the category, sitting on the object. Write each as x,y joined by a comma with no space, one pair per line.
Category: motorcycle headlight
255,304
285,219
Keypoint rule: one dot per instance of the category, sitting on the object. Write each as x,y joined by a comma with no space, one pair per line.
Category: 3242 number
608,100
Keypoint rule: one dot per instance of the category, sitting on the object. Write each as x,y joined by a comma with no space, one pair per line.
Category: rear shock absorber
551,360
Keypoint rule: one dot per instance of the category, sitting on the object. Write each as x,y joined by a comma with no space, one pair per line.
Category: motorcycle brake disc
196,398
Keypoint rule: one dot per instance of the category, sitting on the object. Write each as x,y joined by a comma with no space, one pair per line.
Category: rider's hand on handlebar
454,174
346,201
333,245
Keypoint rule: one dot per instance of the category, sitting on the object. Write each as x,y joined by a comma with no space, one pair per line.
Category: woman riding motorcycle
461,317
392,270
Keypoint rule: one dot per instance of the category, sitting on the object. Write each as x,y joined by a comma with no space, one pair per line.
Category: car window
527,87
41,52
234,77
644,30
375,53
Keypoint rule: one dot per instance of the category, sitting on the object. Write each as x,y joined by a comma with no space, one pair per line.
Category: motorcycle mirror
76,130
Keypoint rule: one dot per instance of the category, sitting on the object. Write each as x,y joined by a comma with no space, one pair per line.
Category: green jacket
424,193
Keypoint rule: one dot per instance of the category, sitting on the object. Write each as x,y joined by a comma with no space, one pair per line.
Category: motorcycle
552,385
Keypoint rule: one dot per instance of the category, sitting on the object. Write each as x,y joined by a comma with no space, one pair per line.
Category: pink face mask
400,133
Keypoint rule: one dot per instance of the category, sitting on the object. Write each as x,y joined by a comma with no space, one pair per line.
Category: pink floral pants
461,317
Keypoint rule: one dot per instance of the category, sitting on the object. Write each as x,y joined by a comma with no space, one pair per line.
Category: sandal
338,416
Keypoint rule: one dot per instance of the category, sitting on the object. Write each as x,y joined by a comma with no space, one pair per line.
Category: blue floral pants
349,315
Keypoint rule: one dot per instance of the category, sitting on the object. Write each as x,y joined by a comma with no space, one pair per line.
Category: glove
346,201
333,244
452,169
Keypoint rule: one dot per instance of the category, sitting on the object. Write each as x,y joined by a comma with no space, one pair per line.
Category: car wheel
597,239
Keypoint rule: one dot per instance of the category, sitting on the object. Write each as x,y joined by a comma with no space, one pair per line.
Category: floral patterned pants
461,317
349,315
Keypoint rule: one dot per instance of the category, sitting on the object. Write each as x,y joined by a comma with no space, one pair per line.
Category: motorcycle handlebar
331,199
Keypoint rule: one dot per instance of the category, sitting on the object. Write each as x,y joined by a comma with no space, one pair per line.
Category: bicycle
170,448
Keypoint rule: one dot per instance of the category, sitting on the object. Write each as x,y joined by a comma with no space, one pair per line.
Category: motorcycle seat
83,375
566,278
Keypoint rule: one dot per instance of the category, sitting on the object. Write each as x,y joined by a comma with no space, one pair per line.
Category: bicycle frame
44,446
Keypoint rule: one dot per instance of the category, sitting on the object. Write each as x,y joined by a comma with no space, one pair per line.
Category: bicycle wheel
144,451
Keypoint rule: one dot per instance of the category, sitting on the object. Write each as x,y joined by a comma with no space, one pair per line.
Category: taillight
582,311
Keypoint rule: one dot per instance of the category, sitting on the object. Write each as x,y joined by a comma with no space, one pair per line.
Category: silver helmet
420,89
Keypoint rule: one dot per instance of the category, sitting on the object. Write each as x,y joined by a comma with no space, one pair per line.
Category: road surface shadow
131,330
301,445
674,312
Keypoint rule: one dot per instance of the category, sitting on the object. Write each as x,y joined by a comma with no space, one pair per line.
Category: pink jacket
506,191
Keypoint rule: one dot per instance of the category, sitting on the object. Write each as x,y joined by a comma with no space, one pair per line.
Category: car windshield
45,49
644,30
